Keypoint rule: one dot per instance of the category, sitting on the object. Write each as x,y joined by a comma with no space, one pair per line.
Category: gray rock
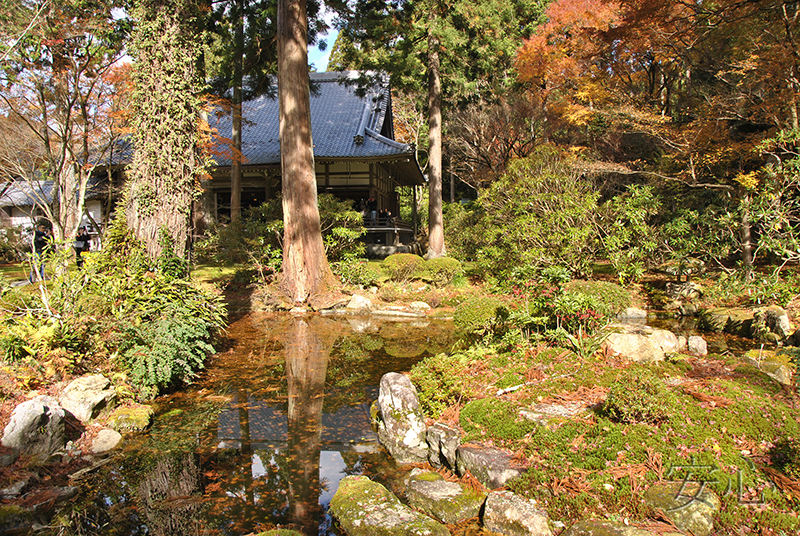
771,320
106,440
733,320
697,346
448,502
443,443
641,344
47,499
14,490
633,315
492,467
544,413
36,429
359,304
400,423
365,508
688,290
84,397
419,306
690,506
511,515
601,527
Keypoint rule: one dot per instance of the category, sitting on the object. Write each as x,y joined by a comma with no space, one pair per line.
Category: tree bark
747,245
307,277
435,220
236,112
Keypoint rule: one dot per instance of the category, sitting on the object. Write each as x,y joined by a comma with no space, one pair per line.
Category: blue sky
319,58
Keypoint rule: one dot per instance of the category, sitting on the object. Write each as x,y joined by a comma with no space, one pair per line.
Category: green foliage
442,271
786,457
760,289
402,267
638,396
607,299
12,245
342,228
628,236
359,272
170,348
442,381
494,418
479,315
540,213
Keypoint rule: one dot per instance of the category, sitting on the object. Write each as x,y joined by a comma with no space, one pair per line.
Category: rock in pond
399,421
512,515
133,418
36,429
366,508
690,506
449,502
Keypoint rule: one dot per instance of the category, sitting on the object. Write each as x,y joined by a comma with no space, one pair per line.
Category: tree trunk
167,160
435,220
306,274
236,111
747,245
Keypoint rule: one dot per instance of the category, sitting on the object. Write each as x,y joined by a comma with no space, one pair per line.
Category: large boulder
492,467
366,508
84,397
733,320
771,324
399,421
778,365
641,344
512,515
690,506
36,429
449,502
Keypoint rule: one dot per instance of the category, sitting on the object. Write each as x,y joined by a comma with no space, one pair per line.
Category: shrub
441,381
402,267
479,315
12,244
607,299
358,272
786,457
637,396
170,349
442,271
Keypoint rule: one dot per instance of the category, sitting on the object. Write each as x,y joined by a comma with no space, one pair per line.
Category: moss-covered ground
713,420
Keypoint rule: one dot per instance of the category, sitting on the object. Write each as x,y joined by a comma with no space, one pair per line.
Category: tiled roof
343,124
21,193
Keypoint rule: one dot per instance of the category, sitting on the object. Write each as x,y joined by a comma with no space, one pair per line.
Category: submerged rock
512,515
134,418
366,508
449,502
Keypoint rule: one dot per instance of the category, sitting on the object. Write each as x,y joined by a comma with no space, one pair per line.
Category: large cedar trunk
435,219
167,159
306,273
236,126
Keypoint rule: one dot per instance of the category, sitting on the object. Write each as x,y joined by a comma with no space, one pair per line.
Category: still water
279,418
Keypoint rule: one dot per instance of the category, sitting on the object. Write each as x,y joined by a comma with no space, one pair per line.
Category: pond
281,415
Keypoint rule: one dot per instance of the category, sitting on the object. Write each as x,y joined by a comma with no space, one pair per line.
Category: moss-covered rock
366,508
134,418
15,520
733,320
449,502
690,506
601,527
280,532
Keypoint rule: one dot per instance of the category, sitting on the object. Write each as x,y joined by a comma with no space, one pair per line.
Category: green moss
494,418
638,396
131,418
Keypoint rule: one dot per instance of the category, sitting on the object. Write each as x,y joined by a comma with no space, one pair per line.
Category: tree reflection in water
242,451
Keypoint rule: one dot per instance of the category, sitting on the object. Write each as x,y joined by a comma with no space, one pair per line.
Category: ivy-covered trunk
168,159
306,274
